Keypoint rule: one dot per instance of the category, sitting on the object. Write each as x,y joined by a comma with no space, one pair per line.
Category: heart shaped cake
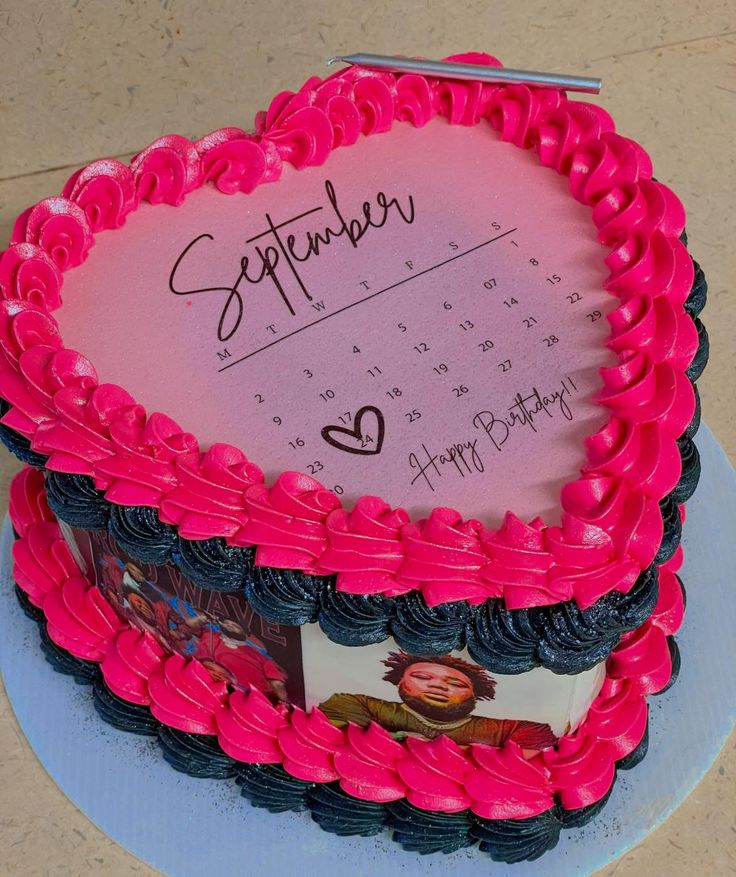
358,447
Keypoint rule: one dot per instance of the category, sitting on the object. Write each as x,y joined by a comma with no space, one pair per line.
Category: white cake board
187,827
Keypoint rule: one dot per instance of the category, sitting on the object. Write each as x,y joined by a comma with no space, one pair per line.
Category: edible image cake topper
418,321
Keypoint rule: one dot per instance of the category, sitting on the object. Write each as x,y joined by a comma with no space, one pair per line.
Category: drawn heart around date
366,436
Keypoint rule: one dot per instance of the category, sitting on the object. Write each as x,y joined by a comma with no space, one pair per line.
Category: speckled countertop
81,80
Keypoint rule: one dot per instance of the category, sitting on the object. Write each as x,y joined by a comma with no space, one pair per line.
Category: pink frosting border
495,783
611,523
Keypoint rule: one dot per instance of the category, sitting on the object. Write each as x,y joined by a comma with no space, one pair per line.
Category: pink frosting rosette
143,469
28,273
644,656
417,100
105,191
131,658
466,102
208,498
618,716
285,104
166,171
582,770
367,764
642,391
23,326
334,97
302,138
59,227
601,163
443,555
373,93
515,110
233,160
519,563
506,785
578,545
42,561
248,727
42,371
670,609
365,549
308,744
183,695
80,620
637,453
633,521
79,437
434,772
287,522
644,205
560,132
654,325
653,262
27,503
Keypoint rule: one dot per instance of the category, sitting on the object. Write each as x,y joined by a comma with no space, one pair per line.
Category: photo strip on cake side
434,795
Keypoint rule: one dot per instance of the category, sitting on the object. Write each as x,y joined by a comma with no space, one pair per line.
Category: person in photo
438,696
231,646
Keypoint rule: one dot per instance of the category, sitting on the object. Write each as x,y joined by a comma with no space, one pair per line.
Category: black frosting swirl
684,591
269,786
285,595
83,672
676,660
636,756
562,637
700,360
338,813
33,612
690,470
426,831
694,424
423,630
698,295
632,609
138,530
120,713
572,638
353,619
198,755
74,499
672,529
213,564
517,840
502,641
583,815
